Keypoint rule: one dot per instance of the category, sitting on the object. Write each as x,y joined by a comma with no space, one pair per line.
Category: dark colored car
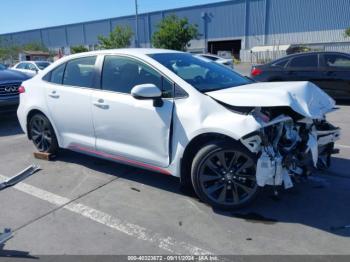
328,70
10,81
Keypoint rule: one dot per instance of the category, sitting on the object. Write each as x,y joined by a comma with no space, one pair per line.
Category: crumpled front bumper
292,149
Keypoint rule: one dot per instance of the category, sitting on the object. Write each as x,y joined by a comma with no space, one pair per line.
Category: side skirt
118,159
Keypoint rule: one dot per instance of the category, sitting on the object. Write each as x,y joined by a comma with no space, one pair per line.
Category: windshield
2,67
202,74
42,65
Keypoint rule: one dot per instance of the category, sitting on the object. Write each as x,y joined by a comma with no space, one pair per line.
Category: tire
225,186
42,134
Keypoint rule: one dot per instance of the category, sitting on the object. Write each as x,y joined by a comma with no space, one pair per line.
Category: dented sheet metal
304,98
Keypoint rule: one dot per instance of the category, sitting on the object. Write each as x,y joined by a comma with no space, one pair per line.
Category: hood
304,98
8,75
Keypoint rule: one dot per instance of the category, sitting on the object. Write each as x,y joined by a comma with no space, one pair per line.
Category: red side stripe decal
120,158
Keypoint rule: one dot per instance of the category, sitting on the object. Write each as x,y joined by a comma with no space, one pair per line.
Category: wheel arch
34,111
192,148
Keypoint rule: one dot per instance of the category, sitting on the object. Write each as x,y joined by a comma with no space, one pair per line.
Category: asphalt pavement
80,205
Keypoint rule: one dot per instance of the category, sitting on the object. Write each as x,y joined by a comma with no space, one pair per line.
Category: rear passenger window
306,61
21,66
57,74
337,61
80,72
121,74
281,63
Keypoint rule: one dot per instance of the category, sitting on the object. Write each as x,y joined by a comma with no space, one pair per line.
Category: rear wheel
224,175
42,134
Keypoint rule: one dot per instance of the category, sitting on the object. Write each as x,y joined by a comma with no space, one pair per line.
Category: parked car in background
218,59
10,81
177,114
31,68
328,70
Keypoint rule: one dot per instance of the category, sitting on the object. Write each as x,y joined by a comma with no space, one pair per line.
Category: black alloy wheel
224,175
42,134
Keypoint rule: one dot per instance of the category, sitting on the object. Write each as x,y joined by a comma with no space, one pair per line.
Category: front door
124,126
303,68
336,75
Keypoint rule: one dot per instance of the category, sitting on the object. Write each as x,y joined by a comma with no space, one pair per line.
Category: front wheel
43,134
224,175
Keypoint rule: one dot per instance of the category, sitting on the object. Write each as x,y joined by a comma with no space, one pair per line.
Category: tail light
256,72
21,89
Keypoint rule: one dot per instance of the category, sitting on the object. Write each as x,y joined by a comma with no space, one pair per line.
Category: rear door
304,68
68,95
336,75
127,127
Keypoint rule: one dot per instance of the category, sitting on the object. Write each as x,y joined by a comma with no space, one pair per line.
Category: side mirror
148,91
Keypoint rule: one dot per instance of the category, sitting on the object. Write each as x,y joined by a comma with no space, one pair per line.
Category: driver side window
121,74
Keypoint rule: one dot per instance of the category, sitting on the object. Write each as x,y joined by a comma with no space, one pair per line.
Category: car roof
125,51
307,53
135,51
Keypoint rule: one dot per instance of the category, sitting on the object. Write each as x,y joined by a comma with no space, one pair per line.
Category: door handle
101,104
54,94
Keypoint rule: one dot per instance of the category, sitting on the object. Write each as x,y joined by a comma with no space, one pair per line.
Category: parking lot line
343,146
164,242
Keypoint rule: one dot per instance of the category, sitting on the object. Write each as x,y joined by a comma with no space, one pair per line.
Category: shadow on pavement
9,125
15,254
321,201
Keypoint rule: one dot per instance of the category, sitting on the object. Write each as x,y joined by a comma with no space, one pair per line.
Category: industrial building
245,28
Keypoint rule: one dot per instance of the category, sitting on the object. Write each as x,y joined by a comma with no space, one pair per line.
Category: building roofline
225,2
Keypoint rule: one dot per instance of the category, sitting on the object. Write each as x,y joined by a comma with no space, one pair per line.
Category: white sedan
177,114
31,68
217,59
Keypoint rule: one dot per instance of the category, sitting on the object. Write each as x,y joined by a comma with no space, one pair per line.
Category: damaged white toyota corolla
181,115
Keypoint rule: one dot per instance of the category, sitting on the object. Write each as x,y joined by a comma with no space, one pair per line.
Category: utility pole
136,25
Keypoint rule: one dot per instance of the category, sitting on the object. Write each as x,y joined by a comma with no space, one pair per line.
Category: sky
44,13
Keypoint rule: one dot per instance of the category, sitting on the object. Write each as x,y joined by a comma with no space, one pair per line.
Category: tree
174,33
78,49
34,46
347,32
120,37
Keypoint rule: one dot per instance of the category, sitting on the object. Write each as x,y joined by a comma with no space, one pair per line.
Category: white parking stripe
343,146
163,242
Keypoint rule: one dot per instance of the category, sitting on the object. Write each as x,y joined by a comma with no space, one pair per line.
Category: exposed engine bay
294,136
289,145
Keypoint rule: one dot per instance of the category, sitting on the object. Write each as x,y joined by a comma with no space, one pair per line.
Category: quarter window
337,61
57,74
306,61
80,72
281,63
121,74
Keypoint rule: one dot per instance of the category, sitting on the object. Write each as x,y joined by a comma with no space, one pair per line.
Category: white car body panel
70,107
137,130
140,130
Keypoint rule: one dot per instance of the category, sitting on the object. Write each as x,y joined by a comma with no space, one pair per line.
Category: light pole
136,25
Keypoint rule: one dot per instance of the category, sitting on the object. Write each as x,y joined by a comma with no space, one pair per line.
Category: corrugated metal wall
255,22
